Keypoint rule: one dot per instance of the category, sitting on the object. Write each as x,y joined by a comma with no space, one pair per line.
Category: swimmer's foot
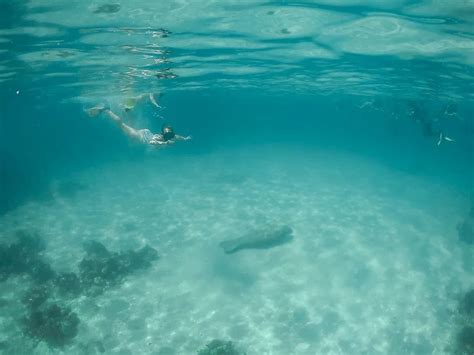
96,110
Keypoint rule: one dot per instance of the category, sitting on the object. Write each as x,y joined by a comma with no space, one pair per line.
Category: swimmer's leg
129,131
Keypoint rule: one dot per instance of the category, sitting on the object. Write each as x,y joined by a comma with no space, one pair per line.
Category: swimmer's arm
182,138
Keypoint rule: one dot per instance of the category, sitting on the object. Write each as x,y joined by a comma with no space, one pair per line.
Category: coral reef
220,347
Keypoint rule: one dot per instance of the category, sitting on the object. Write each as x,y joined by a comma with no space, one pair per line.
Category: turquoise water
332,142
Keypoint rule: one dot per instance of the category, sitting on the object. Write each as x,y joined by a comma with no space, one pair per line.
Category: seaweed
24,257
35,297
68,283
220,347
53,324
101,269
41,272
96,249
47,319
465,341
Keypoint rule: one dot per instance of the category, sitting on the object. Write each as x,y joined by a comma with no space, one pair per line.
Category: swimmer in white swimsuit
145,136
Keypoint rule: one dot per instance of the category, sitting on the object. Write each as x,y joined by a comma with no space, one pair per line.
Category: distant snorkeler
130,102
145,136
450,110
428,126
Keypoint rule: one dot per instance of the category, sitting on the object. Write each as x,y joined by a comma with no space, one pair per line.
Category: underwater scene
230,177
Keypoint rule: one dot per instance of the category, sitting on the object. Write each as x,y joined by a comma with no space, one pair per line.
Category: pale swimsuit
143,135
146,136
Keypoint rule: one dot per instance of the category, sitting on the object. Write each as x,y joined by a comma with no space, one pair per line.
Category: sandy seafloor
375,265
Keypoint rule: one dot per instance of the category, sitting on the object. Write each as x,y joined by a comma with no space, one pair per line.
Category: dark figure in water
418,114
263,238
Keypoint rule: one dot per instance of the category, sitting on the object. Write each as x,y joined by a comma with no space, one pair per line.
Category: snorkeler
429,127
145,136
131,102
450,110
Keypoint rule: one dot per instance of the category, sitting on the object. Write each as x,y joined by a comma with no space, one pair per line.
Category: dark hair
169,134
